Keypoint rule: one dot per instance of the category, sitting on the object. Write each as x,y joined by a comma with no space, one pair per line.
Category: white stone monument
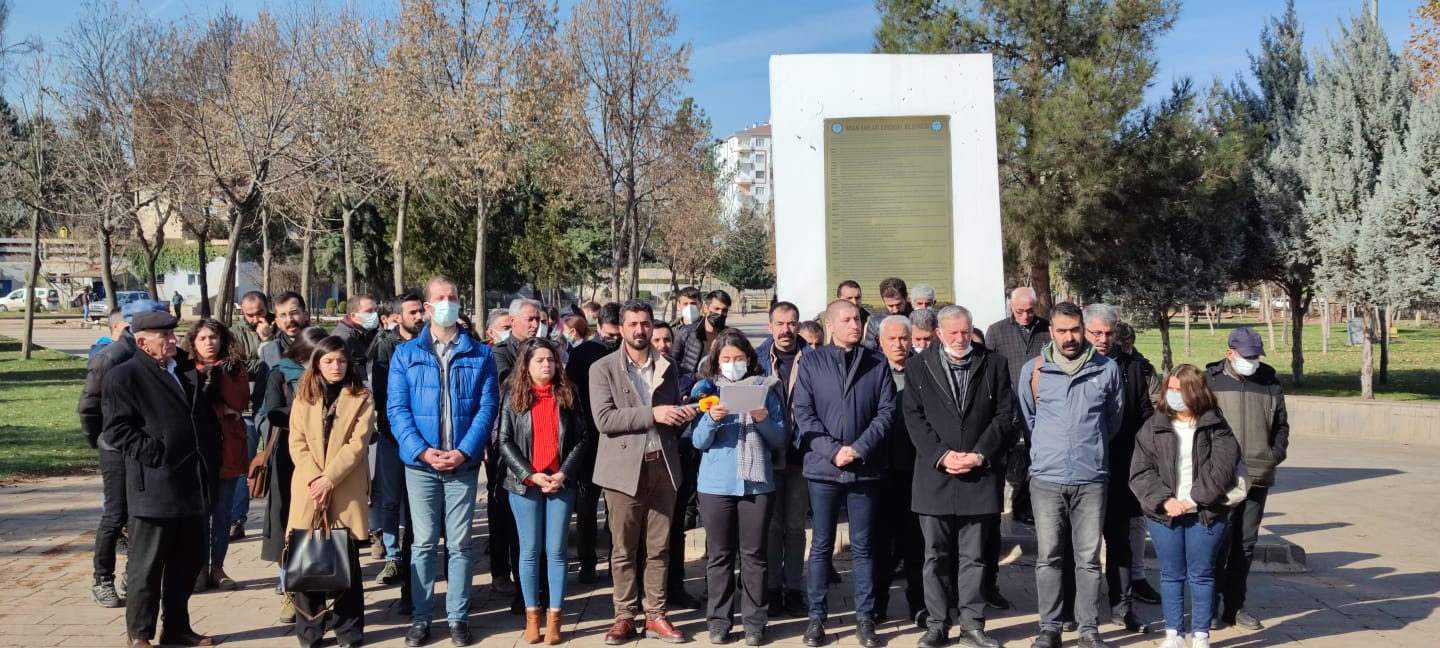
886,166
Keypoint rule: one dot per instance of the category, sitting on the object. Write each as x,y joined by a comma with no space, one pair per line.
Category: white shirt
1184,459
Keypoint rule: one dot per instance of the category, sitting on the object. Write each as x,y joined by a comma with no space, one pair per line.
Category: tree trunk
480,254
152,255
346,216
674,294
306,247
267,258
204,278
1267,310
32,281
398,250
1040,281
1299,303
1367,358
1284,330
1387,314
1167,359
232,253
1324,330
1186,315
107,274
1212,313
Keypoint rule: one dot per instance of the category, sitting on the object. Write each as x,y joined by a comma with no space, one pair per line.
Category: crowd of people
911,423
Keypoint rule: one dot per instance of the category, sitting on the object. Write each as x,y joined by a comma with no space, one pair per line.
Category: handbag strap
290,596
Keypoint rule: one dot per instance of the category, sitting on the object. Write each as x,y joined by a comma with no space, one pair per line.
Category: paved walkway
1365,513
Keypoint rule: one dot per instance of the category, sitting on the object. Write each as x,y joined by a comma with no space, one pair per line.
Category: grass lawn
1414,358
39,431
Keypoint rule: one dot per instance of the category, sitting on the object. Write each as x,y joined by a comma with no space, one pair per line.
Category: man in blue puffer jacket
442,398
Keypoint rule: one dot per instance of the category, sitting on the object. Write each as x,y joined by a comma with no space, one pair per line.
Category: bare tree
632,75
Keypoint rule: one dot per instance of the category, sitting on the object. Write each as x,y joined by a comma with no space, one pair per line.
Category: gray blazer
623,419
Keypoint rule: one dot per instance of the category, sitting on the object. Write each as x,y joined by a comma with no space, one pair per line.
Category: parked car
100,308
48,299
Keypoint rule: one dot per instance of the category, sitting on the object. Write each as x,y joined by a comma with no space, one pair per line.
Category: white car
48,299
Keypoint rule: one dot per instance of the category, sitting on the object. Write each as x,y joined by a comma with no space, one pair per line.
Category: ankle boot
552,627
532,626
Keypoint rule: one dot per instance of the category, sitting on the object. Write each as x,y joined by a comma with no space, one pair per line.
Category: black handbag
318,559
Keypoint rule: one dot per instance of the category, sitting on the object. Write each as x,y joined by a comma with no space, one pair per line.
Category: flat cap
153,321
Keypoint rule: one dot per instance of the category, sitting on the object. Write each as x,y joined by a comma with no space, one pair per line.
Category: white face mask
1245,366
370,321
1175,401
689,314
733,370
950,351
543,331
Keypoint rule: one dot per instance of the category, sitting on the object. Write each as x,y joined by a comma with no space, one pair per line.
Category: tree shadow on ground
1297,478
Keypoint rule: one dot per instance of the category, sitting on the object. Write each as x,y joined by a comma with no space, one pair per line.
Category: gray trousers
786,545
1075,511
954,545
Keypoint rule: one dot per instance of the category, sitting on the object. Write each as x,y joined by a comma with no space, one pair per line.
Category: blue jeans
240,509
220,520
825,500
1076,511
390,473
1186,552
437,499
542,521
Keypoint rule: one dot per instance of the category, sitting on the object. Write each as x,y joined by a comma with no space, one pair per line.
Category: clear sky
732,40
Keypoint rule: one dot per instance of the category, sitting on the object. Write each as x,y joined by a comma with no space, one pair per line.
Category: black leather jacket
577,446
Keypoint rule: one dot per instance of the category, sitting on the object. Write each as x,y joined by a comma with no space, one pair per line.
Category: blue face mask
370,321
1175,400
445,313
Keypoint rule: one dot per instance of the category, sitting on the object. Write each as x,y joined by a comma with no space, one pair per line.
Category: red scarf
545,431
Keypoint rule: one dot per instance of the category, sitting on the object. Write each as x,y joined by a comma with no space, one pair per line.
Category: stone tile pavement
1364,512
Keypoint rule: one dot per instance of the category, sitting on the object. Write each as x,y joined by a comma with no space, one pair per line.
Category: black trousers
735,525
166,555
1237,552
993,540
954,545
895,536
689,470
1119,559
112,516
504,540
349,609
587,504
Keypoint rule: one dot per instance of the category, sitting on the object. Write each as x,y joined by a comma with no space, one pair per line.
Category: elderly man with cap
1247,390
112,465
159,419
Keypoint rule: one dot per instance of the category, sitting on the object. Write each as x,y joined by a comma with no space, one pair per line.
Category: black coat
937,426
1137,373
92,423
1214,459
169,436
279,396
692,342
577,445
577,369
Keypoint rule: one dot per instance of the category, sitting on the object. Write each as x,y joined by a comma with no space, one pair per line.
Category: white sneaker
1200,641
1176,641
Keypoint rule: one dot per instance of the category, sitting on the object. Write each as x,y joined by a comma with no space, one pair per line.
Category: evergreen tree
1399,247
1067,75
1351,118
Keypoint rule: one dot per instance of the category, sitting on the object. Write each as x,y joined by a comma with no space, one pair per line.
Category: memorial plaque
888,203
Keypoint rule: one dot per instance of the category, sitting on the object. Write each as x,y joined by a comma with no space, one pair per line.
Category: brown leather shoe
622,632
532,626
552,627
659,628
138,643
187,638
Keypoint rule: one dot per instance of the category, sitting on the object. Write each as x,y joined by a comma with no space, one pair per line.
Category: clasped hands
1176,508
443,461
320,489
846,456
548,483
959,463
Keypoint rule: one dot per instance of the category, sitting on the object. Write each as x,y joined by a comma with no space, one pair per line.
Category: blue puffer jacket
413,398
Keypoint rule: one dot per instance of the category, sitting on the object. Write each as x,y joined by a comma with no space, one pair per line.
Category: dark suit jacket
623,419
937,426
168,434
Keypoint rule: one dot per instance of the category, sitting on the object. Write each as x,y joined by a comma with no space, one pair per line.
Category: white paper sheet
743,398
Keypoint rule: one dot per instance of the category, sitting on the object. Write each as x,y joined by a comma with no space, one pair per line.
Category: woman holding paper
735,484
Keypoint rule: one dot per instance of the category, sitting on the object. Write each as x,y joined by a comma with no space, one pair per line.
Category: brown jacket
345,462
623,419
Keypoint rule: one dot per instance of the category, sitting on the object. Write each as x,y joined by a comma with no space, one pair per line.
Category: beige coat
623,419
345,462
